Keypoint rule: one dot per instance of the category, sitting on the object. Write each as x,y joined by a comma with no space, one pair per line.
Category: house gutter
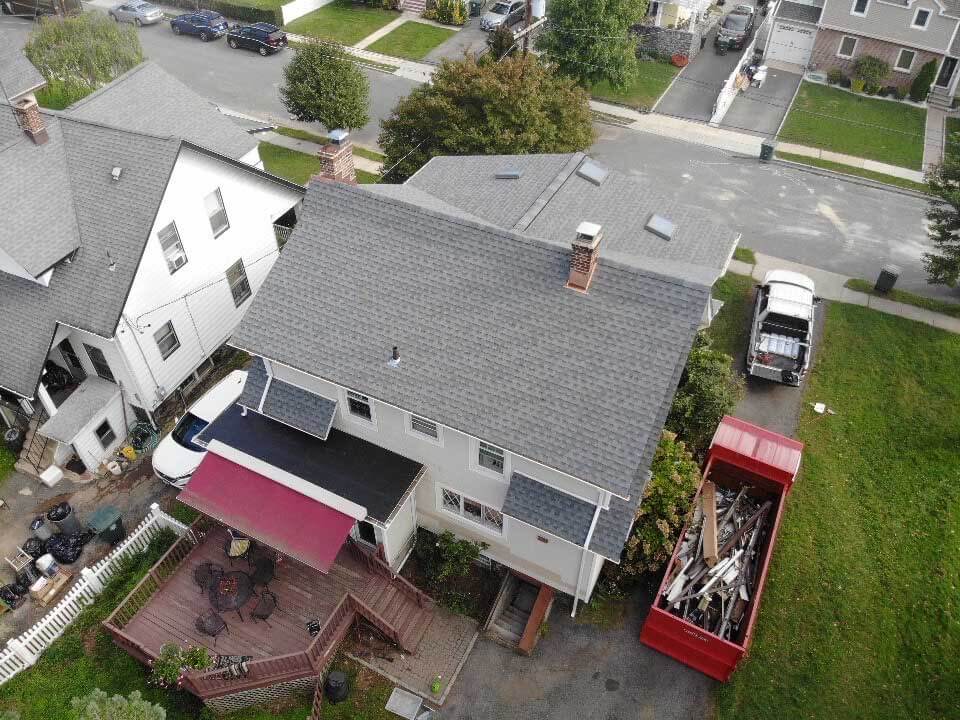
583,555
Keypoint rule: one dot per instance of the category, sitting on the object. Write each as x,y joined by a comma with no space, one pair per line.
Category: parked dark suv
207,24
262,37
736,28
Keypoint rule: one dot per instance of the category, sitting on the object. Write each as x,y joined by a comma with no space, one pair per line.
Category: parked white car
180,452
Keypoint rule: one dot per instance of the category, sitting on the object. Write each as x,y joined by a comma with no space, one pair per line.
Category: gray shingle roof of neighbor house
93,395
147,99
491,341
286,403
18,75
800,12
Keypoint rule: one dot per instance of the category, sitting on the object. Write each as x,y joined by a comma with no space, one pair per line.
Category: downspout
583,555
266,385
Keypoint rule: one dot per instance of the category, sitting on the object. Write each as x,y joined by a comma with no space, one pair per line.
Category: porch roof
78,410
354,469
286,520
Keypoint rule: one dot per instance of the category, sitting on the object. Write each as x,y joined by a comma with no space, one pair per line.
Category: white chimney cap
588,229
338,136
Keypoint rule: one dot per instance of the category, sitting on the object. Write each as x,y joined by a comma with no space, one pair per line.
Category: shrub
235,10
871,89
501,43
900,92
872,70
708,390
449,12
920,86
322,85
100,706
887,90
447,559
834,76
857,85
167,669
663,510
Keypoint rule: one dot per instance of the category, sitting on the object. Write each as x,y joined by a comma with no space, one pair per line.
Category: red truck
747,461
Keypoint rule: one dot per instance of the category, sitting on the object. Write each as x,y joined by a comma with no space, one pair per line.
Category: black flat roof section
352,468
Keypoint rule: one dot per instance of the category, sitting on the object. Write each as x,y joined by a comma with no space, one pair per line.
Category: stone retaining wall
668,41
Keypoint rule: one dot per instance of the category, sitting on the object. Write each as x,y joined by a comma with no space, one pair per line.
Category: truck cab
781,334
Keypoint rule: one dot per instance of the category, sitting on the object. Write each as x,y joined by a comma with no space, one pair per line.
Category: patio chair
263,571
265,607
205,574
211,624
238,546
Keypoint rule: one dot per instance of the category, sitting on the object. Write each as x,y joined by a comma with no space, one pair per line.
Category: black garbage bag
67,548
9,595
58,512
18,588
33,547
28,576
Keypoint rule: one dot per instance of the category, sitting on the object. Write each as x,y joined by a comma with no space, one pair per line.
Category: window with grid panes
490,457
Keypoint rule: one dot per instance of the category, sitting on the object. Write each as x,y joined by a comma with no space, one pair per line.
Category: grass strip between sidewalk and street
299,167
342,21
854,171
412,40
859,125
902,296
861,615
323,139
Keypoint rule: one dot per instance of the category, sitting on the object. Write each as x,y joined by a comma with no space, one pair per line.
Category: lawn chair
263,571
238,546
206,574
265,607
211,624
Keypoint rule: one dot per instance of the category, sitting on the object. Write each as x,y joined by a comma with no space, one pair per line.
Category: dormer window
921,19
860,7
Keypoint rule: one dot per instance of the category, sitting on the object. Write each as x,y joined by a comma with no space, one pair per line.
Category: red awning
757,449
294,524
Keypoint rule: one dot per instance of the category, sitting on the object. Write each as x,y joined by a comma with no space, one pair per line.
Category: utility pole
527,19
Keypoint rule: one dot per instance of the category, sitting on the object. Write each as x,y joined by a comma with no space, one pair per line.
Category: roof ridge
62,115
112,84
552,188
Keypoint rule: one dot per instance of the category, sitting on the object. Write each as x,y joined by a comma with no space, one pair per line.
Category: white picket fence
23,651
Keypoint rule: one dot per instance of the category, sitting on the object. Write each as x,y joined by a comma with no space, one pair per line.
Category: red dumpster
741,454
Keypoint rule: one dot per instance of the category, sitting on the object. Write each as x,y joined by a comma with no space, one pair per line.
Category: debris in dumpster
714,595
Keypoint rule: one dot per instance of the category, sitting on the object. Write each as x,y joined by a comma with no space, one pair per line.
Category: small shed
91,420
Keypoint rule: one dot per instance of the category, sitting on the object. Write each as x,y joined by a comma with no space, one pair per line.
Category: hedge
235,10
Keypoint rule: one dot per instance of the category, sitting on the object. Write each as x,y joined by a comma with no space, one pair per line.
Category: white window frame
173,248
489,527
411,430
909,68
173,331
238,283
856,41
478,468
853,9
913,23
221,210
348,413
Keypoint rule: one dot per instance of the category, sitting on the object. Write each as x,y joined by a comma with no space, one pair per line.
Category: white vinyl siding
167,340
848,46
173,251
905,60
216,213
239,286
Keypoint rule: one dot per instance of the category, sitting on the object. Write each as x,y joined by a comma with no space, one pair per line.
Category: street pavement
818,220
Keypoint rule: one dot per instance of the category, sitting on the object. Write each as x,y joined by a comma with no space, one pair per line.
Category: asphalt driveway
580,672
761,110
469,39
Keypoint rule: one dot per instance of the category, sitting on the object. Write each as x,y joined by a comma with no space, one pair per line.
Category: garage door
791,43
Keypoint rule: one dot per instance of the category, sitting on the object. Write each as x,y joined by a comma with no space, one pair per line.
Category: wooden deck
303,594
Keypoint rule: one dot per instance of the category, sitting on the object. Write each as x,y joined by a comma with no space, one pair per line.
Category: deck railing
377,566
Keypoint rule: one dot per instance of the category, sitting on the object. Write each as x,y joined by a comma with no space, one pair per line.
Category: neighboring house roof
83,405
491,341
551,198
147,99
799,12
18,76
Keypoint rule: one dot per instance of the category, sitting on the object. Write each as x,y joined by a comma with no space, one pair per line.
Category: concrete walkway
312,148
934,137
830,286
385,30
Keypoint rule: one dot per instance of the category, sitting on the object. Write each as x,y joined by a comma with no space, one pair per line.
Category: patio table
231,591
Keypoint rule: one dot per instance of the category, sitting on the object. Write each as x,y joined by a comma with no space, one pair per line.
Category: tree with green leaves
590,40
321,84
472,107
100,706
709,389
78,54
501,42
943,216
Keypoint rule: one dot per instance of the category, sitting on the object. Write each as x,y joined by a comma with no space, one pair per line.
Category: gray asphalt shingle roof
800,12
18,75
147,99
286,403
553,511
93,395
491,341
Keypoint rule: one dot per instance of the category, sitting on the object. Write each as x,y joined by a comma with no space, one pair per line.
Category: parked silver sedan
136,12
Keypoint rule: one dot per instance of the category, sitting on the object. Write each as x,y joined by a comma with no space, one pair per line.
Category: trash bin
65,518
41,529
766,150
475,7
13,438
887,278
335,688
108,524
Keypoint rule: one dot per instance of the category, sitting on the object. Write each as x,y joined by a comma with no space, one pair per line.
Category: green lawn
7,461
952,149
941,306
855,171
745,255
730,329
342,21
412,40
643,90
857,125
861,616
322,139
299,167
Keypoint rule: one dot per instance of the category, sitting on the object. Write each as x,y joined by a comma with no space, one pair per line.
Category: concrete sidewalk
830,286
934,137
312,148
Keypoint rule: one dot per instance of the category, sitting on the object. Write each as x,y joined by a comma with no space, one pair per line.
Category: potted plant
679,60
168,669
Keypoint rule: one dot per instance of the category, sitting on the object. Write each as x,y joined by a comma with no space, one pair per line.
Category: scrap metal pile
719,559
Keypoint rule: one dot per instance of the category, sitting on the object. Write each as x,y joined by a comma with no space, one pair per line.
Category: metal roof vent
394,360
116,173
592,172
508,174
660,226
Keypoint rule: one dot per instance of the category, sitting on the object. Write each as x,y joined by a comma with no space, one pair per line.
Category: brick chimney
336,158
30,119
583,259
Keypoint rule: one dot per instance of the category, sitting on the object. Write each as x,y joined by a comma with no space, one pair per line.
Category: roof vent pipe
394,360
